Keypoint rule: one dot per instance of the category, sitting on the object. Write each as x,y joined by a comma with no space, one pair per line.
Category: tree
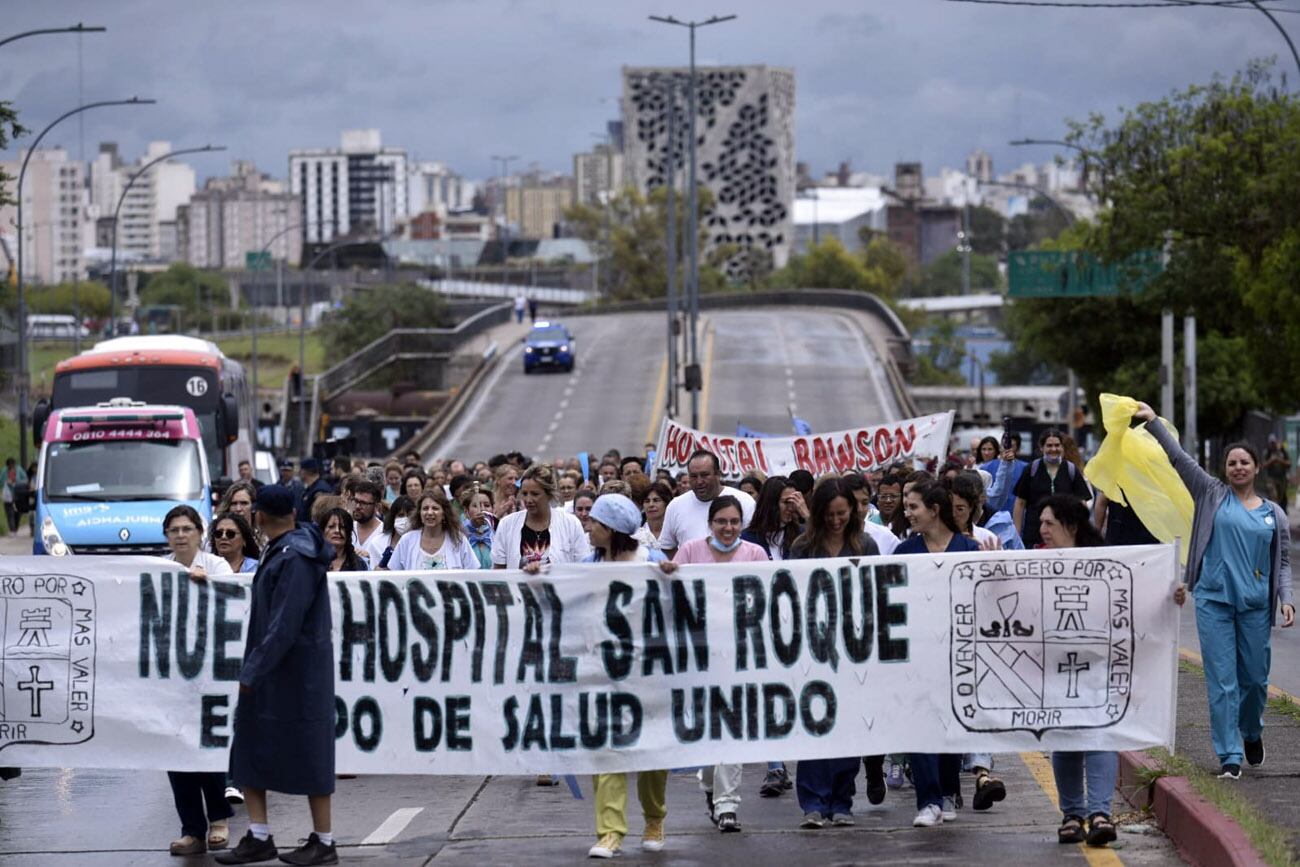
91,299
1207,175
827,265
10,129
944,353
943,276
1043,222
198,293
988,231
888,259
630,236
368,315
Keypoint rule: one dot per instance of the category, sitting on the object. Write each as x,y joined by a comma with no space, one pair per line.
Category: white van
54,326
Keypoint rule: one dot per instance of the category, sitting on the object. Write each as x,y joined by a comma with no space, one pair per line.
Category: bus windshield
194,387
123,470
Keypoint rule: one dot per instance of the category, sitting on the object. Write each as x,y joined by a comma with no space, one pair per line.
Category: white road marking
875,367
392,826
555,425
564,403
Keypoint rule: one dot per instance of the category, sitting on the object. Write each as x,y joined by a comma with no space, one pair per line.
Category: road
758,367
98,818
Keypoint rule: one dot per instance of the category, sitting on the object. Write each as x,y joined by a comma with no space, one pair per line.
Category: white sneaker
949,810
929,816
234,797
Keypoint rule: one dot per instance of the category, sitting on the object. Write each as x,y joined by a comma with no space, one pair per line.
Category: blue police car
549,344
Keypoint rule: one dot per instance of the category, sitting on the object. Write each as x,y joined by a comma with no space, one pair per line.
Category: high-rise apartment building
535,207
597,174
237,215
979,165
434,187
150,204
359,187
54,212
745,127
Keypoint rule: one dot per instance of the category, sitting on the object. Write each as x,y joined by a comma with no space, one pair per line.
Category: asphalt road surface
758,367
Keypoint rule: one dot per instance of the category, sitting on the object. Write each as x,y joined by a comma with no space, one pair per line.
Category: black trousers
200,799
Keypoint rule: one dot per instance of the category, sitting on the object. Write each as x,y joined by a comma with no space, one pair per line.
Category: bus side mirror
229,418
40,415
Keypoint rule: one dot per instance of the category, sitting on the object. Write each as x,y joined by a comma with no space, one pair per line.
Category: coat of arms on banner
47,659
1041,644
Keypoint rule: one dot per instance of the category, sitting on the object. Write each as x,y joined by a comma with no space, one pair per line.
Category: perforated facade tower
744,129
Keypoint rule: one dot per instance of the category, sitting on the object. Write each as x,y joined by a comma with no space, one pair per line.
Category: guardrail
398,344
510,291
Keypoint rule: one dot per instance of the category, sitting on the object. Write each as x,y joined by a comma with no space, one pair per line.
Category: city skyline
449,81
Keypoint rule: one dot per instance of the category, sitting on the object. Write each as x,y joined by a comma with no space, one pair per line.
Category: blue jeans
1236,654
825,786
1098,769
935,776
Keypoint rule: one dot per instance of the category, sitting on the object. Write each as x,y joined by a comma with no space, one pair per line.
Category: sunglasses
225,534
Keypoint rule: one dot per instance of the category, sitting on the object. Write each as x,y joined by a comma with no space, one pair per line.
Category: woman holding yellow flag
1239,573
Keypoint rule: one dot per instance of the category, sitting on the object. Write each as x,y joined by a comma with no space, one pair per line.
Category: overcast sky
877,81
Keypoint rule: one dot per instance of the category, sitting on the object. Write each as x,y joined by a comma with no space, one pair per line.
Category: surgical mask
401,525
1052,459
724,549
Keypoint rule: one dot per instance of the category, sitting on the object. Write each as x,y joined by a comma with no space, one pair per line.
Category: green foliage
198,293
90,298
1208,174
943,276
630,236
1043,223
827,265
368,315
10,129
940,361
988,231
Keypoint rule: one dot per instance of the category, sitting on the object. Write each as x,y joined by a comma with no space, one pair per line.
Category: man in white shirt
365,521
687,516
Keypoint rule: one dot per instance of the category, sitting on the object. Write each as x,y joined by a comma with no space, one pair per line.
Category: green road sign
258,261
1077,274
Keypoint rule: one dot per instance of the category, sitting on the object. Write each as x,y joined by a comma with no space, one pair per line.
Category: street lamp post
76,28
112,266
670,242
279,290
505,212
693,376
24,387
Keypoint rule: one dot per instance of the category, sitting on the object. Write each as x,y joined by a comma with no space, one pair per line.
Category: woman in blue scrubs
1239,573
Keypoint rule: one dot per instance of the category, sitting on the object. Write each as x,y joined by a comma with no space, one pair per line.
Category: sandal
1101,830
1071,830
218,835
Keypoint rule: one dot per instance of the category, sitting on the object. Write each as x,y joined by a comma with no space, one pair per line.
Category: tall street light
505,211
76,28
112,267
23,373
693,377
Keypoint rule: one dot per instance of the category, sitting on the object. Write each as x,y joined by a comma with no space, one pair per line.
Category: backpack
1069,465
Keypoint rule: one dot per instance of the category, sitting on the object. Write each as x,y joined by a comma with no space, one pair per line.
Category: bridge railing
508,291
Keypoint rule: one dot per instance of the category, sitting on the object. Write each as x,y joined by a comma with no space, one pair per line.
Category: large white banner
122,663
863,448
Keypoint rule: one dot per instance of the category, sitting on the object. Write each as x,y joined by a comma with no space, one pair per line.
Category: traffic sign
1078,274
260,261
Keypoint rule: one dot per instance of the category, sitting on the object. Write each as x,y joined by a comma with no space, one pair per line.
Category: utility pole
1190,444
965,247
670,183
1167,365
505,213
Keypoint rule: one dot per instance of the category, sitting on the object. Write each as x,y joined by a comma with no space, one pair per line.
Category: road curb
1201,832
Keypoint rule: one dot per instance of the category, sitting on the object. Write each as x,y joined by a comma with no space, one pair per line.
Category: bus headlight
51,539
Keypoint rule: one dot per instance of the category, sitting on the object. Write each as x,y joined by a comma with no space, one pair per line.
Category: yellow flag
1131,468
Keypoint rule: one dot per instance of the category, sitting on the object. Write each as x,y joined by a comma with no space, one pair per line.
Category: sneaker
1230,771
843,820
249,851
653,838
949,809
875,784
775,783
895,778
188,845
234,796
813,821
988,791
929,816
606,847
312,852
728,823
1255,752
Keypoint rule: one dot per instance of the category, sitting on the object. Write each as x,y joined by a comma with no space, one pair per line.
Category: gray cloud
459,80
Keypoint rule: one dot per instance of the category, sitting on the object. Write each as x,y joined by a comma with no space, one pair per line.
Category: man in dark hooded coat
284,722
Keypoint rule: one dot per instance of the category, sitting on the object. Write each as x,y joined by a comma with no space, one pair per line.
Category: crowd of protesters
513,513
